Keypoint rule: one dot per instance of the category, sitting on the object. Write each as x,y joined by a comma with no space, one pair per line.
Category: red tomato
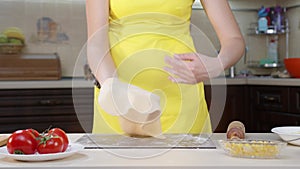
50,144
21,142
59,132
34,132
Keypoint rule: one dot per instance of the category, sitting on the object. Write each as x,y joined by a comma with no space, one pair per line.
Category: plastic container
264,149
292,65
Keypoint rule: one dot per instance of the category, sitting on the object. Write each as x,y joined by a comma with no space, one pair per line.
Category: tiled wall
69,17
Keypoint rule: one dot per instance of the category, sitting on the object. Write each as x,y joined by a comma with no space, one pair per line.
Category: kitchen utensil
3,140
30,66
293,66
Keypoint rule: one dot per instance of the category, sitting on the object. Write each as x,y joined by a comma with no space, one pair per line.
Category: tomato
59,132
21,142
50,144
34,132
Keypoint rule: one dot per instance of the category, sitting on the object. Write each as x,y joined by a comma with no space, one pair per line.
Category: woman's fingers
181,70
180,66
192,67
185,56
182,73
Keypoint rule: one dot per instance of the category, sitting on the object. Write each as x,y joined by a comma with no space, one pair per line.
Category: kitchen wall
69,27
245,12
69,21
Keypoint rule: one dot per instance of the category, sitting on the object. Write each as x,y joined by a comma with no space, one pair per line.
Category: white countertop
256,81
82,83
274,81
36,84
173,158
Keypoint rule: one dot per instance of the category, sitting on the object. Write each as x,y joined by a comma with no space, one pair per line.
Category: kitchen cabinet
273,106
259,107
267,120
235,106
295,100
42,108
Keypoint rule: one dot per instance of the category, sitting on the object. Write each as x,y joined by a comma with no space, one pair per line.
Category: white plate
73,148
288,133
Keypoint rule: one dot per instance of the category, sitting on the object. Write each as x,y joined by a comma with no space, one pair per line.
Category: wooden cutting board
3,140
30,67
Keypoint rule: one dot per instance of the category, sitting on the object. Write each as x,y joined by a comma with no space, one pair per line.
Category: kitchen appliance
30,67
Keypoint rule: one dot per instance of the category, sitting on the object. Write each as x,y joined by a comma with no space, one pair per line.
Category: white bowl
290,134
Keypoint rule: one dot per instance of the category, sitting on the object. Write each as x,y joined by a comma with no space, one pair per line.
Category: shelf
271,30
266,65
271,65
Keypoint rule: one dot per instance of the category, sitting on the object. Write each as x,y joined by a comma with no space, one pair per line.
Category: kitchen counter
173,158
273,81
37,84
82,83
256,81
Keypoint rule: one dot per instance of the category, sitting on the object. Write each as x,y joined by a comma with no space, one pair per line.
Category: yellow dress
142,33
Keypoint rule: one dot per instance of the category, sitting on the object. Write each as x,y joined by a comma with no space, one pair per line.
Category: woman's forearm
231,52
99,58
98,48
226,27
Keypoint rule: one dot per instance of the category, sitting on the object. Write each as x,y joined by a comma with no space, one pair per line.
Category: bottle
272,24
232,72
262,25
273,51
278,18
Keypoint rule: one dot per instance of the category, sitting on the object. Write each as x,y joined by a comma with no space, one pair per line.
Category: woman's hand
192,68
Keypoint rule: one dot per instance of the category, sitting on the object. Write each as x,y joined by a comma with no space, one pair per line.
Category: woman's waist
150,23
139,45
149,28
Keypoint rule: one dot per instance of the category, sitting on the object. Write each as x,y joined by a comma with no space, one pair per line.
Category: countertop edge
266,81
173,158
38,84
83,83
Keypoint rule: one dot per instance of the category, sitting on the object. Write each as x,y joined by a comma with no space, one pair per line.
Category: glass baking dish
264,149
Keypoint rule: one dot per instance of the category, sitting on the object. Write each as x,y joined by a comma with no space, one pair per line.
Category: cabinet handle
49,102
269,98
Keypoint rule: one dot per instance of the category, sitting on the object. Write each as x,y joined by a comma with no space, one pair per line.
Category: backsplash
50,26
59,26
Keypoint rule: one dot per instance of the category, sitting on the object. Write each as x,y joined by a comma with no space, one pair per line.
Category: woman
148,44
